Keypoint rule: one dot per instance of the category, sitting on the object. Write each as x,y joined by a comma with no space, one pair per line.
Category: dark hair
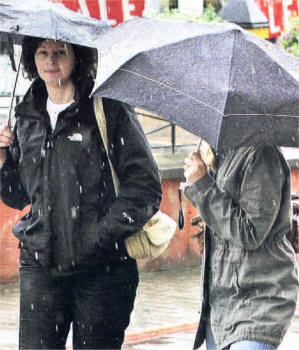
85,60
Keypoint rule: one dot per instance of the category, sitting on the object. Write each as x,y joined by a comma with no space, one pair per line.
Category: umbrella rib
260,114
171,88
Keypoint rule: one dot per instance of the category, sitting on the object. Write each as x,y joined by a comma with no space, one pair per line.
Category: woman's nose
51,58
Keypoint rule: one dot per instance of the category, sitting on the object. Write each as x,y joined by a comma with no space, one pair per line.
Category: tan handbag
152,240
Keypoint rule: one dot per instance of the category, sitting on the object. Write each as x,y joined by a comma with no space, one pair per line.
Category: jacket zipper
49,140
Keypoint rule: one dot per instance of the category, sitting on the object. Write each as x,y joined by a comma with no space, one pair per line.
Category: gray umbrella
245,13
47,20
217,81
44,19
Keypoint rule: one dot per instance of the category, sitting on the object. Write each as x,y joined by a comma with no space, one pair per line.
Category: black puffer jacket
75,219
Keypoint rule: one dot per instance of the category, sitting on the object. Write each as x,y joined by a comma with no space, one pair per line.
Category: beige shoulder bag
152,240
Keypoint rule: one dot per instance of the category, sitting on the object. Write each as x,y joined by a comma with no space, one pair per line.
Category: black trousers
98,304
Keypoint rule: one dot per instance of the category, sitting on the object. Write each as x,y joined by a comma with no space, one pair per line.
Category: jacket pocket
19,229
86,240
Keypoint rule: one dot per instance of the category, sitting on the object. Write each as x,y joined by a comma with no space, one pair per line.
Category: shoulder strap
101,120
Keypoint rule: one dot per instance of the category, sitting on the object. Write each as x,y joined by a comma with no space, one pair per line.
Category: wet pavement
165,315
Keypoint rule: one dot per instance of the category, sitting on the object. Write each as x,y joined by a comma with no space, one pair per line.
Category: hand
194,168
6,139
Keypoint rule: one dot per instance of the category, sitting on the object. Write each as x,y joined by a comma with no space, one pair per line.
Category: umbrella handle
13,94
181,213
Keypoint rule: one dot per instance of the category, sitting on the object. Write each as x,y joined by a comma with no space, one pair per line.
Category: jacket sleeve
246,222
12,192
140,189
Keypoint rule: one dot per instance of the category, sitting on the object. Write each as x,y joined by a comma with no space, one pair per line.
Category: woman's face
55,62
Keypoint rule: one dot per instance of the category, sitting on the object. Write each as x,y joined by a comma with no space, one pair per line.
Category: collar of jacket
35,100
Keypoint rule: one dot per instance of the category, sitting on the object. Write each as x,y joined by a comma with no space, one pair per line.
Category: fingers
194,168
6,137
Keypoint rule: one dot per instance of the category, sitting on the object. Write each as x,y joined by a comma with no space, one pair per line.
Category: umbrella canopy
44,19
47,20
218,81
245,13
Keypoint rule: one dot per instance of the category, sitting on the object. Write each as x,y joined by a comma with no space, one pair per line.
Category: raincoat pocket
19,229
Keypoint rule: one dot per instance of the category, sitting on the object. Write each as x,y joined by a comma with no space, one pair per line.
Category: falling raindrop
36,255
116,245
122,141
73,212
59,82
80,189
32,307
43,153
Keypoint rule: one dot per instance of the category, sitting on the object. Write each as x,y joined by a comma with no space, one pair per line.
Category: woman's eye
42,52
61,52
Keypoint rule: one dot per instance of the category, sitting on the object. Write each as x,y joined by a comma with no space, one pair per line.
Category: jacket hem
252,336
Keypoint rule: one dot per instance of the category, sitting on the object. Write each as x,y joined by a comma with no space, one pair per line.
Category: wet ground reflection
165,300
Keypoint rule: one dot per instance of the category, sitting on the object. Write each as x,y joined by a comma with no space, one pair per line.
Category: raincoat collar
36,98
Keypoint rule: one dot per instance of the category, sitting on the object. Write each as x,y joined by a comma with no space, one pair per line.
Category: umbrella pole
197,149
181,189
13,94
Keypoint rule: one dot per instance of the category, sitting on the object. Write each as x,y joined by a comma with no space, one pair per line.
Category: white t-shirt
54,109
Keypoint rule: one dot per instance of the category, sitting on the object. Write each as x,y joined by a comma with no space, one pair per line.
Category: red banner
115,11
278,13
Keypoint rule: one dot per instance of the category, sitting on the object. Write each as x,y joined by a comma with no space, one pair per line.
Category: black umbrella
44,19
218,81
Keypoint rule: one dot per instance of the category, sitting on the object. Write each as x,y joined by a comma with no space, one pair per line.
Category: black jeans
98,304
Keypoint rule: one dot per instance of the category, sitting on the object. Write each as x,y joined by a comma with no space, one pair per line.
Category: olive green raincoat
250,281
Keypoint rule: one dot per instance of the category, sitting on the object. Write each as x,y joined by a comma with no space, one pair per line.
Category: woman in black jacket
74,267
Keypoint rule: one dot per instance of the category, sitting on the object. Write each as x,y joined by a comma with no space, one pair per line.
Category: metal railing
173,145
